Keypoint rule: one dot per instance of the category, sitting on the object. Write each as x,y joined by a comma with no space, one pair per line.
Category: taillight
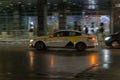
92,38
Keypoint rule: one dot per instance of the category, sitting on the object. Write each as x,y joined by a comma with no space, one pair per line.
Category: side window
65,33
74,34
78,34
61,34
71,33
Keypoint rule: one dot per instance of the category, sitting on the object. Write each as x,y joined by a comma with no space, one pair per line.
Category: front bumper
30,45
108,43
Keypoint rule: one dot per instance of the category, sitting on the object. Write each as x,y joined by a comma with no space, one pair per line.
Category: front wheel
40,46
80,46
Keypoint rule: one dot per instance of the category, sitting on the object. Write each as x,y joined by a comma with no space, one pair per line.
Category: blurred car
64,39
113,40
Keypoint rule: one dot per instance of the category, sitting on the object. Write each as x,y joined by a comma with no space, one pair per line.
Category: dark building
46,16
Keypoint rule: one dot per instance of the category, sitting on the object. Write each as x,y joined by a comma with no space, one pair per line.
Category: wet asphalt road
18,62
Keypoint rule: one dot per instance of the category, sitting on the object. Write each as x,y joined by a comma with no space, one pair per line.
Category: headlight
31,40
107,38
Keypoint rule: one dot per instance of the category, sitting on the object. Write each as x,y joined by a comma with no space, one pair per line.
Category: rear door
59,39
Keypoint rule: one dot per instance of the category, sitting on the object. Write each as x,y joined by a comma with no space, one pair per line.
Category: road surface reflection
67,62
31,60
25,62
106,57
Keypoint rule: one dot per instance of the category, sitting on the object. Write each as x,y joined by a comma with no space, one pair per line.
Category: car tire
40,46
115,44
80,46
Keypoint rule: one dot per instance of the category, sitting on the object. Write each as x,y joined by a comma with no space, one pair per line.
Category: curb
14,41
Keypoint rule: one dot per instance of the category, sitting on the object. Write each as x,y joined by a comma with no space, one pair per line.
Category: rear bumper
91,46
95,44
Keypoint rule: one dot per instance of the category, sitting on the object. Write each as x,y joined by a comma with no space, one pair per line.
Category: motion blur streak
93,59
52,61
31,60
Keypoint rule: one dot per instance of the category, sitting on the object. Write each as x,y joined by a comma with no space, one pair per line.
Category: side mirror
51,36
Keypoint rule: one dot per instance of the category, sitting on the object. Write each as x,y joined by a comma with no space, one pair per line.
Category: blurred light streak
52,62
106,58
94,61
31,59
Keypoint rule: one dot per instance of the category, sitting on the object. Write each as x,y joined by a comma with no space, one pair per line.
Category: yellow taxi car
64,39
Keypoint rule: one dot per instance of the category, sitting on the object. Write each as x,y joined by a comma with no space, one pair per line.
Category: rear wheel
115,44
40,46
80,46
